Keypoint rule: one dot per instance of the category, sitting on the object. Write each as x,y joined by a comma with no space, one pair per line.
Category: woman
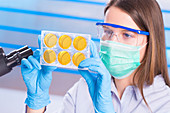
130,75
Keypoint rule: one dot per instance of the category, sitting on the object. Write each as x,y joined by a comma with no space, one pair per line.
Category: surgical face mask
120,59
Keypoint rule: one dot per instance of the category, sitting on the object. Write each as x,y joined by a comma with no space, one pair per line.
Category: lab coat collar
147,89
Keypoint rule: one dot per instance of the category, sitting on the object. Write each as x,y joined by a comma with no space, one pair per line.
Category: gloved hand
37,79
99,83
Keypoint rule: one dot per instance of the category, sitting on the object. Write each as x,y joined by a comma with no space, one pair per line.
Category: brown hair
148,17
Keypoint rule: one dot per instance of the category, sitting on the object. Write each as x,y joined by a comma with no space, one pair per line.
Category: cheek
142,53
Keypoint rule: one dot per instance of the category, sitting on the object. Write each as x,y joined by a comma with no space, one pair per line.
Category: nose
115,38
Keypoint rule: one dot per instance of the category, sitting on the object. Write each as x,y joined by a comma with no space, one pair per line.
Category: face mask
120,59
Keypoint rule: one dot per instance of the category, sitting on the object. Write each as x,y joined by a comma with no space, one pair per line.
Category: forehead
116,16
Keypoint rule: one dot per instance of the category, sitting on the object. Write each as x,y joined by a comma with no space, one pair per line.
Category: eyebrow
128,30
106,27
117,28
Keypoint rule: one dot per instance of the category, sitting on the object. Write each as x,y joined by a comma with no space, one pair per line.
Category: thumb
93,50
37,53
26,64
26,68
39,41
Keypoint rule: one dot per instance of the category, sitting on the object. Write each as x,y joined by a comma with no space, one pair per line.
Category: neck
121,84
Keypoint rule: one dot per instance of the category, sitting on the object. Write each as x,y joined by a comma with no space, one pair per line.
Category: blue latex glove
99,83
37,79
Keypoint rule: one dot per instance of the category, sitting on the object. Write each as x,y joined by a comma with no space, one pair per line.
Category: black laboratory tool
7,62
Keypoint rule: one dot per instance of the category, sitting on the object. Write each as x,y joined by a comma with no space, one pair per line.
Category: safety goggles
113,32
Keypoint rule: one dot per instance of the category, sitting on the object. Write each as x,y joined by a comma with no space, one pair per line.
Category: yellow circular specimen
79,43
77,58
50,40
65,41
64,57
49,56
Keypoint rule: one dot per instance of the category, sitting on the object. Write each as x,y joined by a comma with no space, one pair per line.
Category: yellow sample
77,58
49,56
79,43
50,40
65,41
64,57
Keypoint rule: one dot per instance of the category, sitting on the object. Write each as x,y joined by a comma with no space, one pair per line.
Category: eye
126,35
109,32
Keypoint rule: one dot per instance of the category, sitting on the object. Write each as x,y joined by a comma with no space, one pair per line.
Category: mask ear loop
143,46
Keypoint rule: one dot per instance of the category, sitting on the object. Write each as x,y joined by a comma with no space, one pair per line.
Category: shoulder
158,95
158,86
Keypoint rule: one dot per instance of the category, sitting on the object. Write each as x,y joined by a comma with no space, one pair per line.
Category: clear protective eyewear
113,32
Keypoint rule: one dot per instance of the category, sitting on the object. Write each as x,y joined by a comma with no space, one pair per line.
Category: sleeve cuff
27,106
